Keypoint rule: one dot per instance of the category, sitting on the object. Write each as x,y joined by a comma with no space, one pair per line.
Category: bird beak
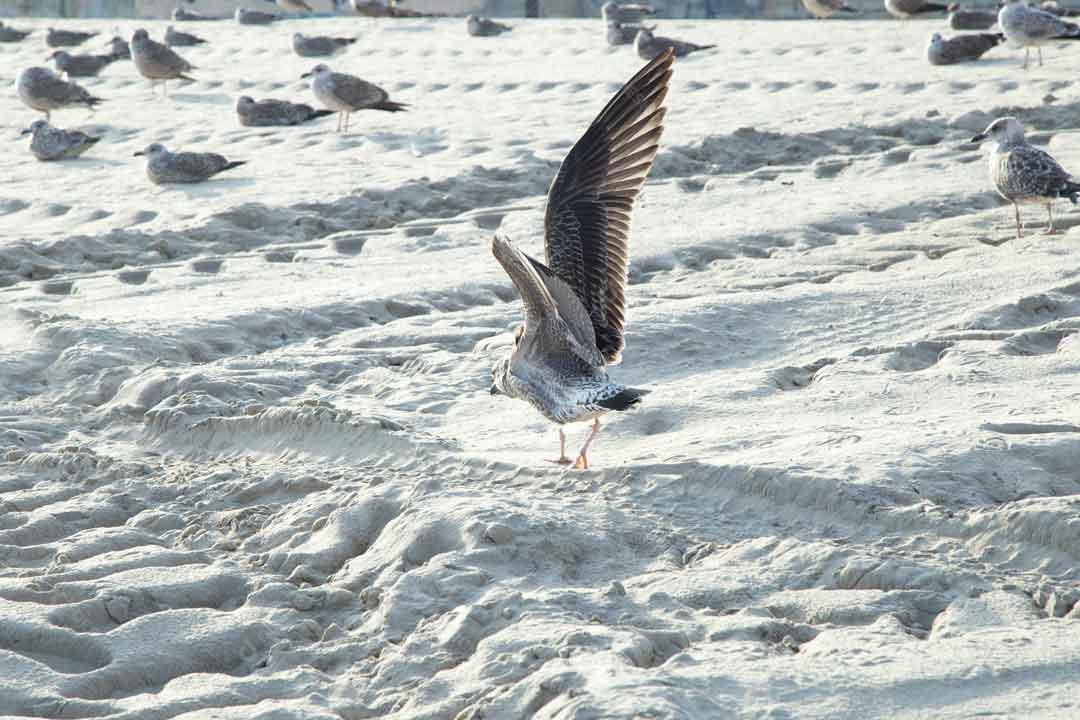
494,390
305,75
978,138
25,132
138,154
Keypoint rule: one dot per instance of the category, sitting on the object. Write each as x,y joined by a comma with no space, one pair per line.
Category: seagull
40,89
155,61
483,27
179,38
295,6
66,38
182,15
275,112
575,303
1052,7
618,34
80,65
1023,174
1032,28
971,18
247,16
164,167
49,143
651,46
319,45
822,9
119,48
346,94
962,48
10,34
613,12
905,9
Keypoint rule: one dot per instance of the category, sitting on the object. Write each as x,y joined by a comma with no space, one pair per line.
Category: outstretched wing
587,224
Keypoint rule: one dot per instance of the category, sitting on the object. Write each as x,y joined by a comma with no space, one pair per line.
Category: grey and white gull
961,18
157,62
1023,174
9,34
484,27
962,48
48,143
319,45
649,46
905,9
179,38
345,94
165,168
40,89
294,6
184,15
81,65
822,9
248,16
625,14
265,113
575,301
119,48
1030,27
66,38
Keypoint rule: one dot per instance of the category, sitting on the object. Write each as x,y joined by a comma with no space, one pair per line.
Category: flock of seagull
574,301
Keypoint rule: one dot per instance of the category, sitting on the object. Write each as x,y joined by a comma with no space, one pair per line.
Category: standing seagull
483,27
575,303
1032,28
345,94
164,167
649,46
962,48
822,9
10,34
905,9
1023,174
155,61
319,45
66,38
41,90
49,143
179,38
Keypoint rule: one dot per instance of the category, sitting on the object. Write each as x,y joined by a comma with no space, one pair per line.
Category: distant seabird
628,14
179,38
822,9
1025,175
618,34
294,6
905,9
164,167
649,46
961,18
484,27
962,48
275,112
1053,8
119,48
182,15
40,89
156,62
80,65
66,38
49,143
346,94
575,302
319,45
10,34
1032,28
247,16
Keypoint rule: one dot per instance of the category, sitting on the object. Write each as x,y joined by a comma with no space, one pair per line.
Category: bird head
643,35
152,150
35,127
317,71
1003,131
140,34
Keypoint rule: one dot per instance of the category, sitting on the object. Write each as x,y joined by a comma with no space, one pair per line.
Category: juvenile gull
345,94
971,18
649,46
41,90
119,48
156,62
575,302
1023,174
319,45
247,16
822,9
10,34
962,48
1052,7
66,38
1032,28
49,143
182,15
484,27
164,167
905,9
613,12
80,65
294,6
275,112
179,38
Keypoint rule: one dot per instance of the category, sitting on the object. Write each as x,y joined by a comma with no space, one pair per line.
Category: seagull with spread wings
575,302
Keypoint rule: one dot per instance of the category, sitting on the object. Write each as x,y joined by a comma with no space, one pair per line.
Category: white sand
252,466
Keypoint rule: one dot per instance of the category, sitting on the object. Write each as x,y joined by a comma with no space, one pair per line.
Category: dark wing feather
587,224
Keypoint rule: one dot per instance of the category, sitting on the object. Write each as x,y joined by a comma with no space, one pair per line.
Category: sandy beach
250,466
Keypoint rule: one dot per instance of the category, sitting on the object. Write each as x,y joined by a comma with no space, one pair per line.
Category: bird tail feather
624,399
390,106
233,164
848,9
186,77
932,7
1071,191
